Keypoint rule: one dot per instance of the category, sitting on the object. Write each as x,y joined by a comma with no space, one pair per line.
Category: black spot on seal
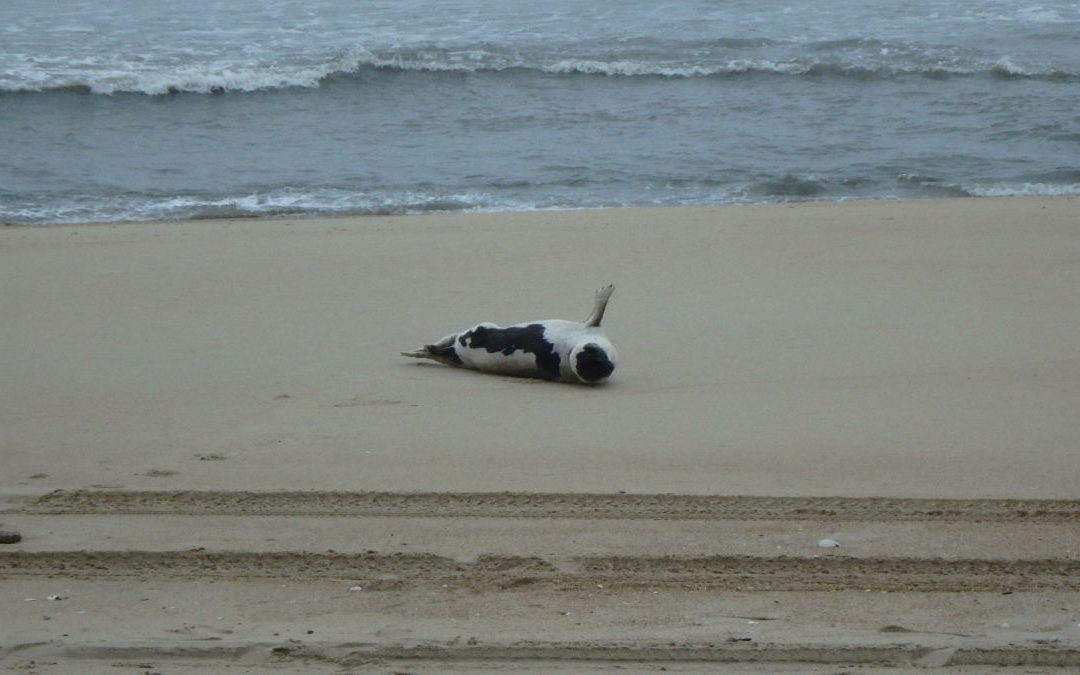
528,339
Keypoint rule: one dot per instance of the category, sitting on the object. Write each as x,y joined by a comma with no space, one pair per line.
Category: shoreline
314,216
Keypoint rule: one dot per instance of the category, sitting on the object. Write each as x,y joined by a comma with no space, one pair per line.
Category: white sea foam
638,68
287,201
1005,66
102,77
1022,190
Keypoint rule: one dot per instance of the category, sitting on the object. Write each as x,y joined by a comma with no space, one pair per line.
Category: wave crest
856,58
135,207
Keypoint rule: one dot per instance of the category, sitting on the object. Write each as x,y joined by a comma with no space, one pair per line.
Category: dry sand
252,479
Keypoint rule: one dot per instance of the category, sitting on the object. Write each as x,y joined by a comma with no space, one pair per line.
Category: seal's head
593,361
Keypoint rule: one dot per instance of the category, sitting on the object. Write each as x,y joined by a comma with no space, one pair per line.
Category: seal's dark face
592,364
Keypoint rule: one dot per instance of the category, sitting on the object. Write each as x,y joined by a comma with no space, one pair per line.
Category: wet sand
212,447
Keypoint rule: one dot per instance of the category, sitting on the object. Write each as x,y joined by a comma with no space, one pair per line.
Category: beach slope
215,454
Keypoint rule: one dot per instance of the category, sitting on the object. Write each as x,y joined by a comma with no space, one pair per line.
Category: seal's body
566,351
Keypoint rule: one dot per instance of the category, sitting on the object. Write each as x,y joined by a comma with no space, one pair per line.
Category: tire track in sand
416,575
546,505
577,657
377,571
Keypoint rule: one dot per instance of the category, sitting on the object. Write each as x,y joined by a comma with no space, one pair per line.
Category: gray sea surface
150,110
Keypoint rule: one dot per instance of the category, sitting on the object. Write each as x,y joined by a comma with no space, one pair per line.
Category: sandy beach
217,460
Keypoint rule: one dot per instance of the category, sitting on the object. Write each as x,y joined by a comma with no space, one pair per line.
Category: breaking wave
860,59
88,208
327,201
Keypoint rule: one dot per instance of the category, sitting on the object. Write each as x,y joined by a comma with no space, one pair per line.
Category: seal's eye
592,363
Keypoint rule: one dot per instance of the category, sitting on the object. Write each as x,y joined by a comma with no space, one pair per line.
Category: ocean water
144,109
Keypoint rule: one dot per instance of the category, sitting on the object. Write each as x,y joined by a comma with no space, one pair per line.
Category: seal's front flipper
599,305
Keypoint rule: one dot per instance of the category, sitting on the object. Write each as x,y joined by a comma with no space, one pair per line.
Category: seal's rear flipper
442,351
600,304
